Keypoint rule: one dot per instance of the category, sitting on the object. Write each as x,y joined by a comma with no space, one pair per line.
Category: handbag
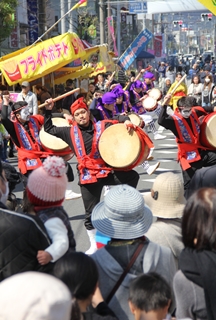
124,273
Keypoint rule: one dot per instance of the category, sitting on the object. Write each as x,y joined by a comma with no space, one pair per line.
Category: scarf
199,267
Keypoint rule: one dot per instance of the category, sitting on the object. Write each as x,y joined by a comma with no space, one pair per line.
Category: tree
7,17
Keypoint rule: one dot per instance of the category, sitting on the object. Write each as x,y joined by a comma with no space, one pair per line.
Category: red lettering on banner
25,63
51,53
39,58
65,48
58,49
32,62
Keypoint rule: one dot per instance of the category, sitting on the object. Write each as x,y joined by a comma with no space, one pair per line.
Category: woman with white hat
166,200
124,217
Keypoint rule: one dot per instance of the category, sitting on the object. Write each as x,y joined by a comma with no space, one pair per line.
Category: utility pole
102,22
109,15
119,29
71,16
62,7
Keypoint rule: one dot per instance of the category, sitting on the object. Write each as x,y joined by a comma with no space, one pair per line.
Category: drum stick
112,76
60,97
174,89
139,74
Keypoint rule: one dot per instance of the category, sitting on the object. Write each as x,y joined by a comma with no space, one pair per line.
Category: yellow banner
42,59
209,4
100,59
79,74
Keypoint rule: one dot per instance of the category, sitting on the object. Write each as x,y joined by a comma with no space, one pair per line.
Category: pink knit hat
47,184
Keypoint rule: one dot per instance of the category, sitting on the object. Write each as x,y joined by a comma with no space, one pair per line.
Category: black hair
79,272
101,74
196,76
199,220
149,292
186,102
2,87
40,87
17,105
69,82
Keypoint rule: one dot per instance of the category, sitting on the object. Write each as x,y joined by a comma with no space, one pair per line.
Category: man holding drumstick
185,125
24,131
93,172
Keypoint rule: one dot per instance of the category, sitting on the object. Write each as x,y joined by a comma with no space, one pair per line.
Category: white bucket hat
123,214
34,296
166,200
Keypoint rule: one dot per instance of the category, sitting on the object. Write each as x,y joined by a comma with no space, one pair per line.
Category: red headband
78,104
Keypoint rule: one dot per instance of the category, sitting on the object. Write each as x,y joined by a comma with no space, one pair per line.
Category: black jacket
21,236
202,178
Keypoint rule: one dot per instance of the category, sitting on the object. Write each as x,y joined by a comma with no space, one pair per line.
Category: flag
112,32
84,3
209,4
81,3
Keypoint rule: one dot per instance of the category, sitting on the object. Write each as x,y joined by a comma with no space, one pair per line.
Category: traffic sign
137,7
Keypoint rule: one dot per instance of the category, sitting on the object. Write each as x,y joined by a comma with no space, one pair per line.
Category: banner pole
40,38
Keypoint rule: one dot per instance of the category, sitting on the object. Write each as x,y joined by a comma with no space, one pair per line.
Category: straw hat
123,214
166,199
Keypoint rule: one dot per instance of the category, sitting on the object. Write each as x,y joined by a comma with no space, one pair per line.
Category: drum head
51,142
118,148
134,118
149,103
210,130
155,93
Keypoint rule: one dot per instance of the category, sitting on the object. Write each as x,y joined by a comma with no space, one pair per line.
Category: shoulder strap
118,283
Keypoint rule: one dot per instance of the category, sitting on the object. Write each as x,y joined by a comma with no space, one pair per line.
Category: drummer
185,125
93,173
24,131
122,103
106,109
102,107
181,91
148,83
136,95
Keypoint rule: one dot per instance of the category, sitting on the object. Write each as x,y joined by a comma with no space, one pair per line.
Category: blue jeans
205,104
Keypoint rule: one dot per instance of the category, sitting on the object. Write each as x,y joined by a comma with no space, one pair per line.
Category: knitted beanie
47,184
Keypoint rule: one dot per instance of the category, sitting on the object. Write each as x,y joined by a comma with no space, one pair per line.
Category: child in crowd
149,297
79,272
46,191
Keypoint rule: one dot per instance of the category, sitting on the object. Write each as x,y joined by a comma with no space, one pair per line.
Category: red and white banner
112,33
158,45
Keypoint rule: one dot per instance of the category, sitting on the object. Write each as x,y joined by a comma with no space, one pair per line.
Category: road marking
165,160
164,151
167,145
148,180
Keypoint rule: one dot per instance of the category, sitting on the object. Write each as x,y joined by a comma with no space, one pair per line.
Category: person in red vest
24,131
185,124
93,172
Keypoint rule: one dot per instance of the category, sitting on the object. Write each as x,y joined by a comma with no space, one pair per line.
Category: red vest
30,151
188,141
91,167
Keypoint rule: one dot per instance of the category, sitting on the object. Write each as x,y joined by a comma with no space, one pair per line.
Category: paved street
165,152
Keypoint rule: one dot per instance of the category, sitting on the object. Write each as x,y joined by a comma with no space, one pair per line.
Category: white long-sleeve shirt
58,234
31,99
